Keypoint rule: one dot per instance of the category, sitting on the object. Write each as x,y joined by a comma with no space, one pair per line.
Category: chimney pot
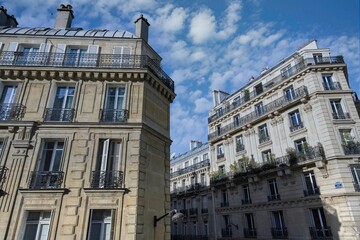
142,28
64,17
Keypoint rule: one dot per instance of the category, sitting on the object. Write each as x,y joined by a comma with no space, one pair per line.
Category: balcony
246,201
279,232
296,127
250,232
114,115
220,155
351,148
268,108
264,139
107,179
274,197
59,114
3,171
341,116
11,111
224,204
226,232
276,81
311,192
204,163
46,179
320,233
332,86
240,147
85,60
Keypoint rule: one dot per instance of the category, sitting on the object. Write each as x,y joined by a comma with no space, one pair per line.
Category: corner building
84,132
285,152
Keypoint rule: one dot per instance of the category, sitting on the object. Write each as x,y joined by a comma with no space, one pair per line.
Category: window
311,187
184,204
202,179
183,184
220,112
263,134
246,193
107,174
122,55
329,83
195,160
237,120
320,229
194,231
285,72
206,229
205,156
48,174
346,136
337,109
258,89
7,102
100,224
186,164
300,145
273,190
318,58
193,202
63,105
192,181
218,130
278,225
355,169
295,121
222,168
114,105
224,198
289,93
37,225
249,230
239,143
185,228
174,186
220,151
204,202
226,231
266,156
29,55
259,109
75,56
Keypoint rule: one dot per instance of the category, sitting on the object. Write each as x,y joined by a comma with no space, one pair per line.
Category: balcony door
63,103
8,95
114,104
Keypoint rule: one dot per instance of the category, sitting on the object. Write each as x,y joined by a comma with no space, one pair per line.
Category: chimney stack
6,19
64,17
142,28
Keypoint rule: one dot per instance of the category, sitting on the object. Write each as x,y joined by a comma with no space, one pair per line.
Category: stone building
84,132
285,154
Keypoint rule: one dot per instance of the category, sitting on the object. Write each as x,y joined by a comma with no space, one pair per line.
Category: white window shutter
126,50
118,50
93,49
45,47
104,155
13,46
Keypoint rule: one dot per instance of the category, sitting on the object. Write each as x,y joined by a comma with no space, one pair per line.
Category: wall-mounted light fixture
175,216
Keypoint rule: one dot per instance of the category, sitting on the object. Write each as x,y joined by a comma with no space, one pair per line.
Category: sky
211,45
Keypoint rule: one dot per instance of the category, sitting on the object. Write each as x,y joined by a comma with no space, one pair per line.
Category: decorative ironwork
3,171
250,232
321,233
351,148
296,127
276,81
46,179
204,163
59,114
114,115
226,232
264,139
344,115
274,197
272,106
312,192
85,60
332,86
279,232
107,179
11,111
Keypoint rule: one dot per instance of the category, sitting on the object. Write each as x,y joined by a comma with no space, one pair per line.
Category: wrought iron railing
279,232
85,60
220,155
107,179
59,114
332,86
264,139
114,115
11,111
226,232
204,163
274,82
250,232
240,147
344,115
272,106
320,233
46,179
274,197
296,127
3,171
311,192
351,148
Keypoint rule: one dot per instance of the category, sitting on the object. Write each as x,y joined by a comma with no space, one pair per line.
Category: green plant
234,167
293,158
246,95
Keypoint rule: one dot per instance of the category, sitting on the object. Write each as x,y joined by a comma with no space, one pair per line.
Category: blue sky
214,44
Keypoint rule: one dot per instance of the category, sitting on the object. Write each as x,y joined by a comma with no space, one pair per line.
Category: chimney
6,19
194,144
142,28
64,17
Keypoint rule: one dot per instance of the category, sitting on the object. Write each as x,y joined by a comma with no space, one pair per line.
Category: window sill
240,153
297,132
344,121
265,144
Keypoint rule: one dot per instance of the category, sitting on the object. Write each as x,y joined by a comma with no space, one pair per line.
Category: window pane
44,231
30,232
95,232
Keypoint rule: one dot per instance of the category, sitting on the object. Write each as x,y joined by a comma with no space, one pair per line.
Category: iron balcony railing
272,106
226,232
274,82
114,115
321,233
3,171
311,192
86,60
279,232
46,179
240,147
11,111
332,86
264,139
220,155
250,232
344,115
204,163
107,179
296,127
59,114
351,148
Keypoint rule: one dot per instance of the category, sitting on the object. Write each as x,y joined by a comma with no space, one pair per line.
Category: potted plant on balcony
293,158
246,95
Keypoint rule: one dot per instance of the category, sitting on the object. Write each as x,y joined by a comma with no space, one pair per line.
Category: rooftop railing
191,168
276,81
85,60
11,111
272,106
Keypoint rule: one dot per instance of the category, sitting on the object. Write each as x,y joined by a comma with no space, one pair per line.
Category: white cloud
202,105
232,17
202,26
170,19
